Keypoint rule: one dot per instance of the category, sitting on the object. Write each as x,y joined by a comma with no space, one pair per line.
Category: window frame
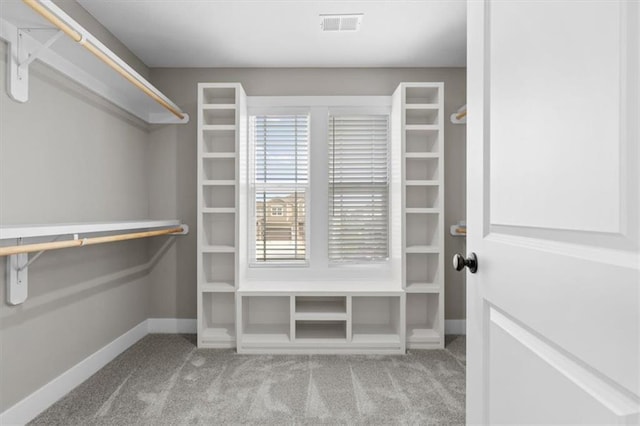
319,270
252,213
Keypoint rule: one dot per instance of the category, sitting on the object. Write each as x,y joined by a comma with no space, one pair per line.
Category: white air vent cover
350,22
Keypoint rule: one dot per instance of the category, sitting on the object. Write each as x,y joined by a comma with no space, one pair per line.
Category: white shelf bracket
17,278
20,56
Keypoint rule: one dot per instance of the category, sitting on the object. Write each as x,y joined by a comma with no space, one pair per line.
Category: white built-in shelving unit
421,125
220,115
320,317
296,318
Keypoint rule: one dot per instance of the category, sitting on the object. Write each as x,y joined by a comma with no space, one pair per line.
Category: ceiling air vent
348,22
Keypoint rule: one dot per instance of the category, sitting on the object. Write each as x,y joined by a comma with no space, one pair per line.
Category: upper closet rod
57,17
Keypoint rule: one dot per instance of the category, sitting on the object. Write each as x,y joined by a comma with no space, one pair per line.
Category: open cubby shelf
266,334
422,168
422,116
219,116
217,320
423,196
421,140
220,141
321,308
217,222
319,331
334,322
423,93
217,93
218,196
217,169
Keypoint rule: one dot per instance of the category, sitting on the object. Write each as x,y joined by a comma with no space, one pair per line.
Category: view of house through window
280,182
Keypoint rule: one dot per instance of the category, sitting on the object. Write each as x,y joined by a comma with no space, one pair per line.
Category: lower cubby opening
218,318
376,320
423,319
333,331
265,320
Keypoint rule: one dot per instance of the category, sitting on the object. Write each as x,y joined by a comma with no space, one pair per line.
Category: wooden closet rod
31,248
461,115
78,37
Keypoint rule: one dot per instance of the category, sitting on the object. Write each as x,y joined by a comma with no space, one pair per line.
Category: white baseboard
28,408
172,325
455,326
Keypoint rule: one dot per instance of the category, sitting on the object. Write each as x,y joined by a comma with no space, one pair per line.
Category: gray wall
84,18
68,156
178,295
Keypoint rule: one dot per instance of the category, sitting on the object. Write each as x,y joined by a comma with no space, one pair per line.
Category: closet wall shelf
18,256
80,56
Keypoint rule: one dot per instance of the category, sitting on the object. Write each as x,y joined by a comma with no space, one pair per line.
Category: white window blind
358,188
280,182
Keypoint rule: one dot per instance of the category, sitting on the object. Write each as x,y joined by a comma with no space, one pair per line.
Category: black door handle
471,262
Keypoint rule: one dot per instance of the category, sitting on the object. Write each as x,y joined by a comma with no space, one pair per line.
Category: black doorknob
471,262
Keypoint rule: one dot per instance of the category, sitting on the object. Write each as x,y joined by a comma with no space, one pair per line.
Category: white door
553,189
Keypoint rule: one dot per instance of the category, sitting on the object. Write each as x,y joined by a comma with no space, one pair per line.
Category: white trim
314,101
172,325
34,404
458,326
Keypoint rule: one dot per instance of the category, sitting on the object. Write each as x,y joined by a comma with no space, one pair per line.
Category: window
320,193
279,182
358,164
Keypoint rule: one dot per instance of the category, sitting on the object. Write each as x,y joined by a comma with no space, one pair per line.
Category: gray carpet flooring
166,380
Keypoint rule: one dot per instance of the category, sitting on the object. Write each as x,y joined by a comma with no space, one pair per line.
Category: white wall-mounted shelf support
18,261
20,57
17,278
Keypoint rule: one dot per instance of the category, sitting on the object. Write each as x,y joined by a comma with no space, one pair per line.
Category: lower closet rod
30,248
